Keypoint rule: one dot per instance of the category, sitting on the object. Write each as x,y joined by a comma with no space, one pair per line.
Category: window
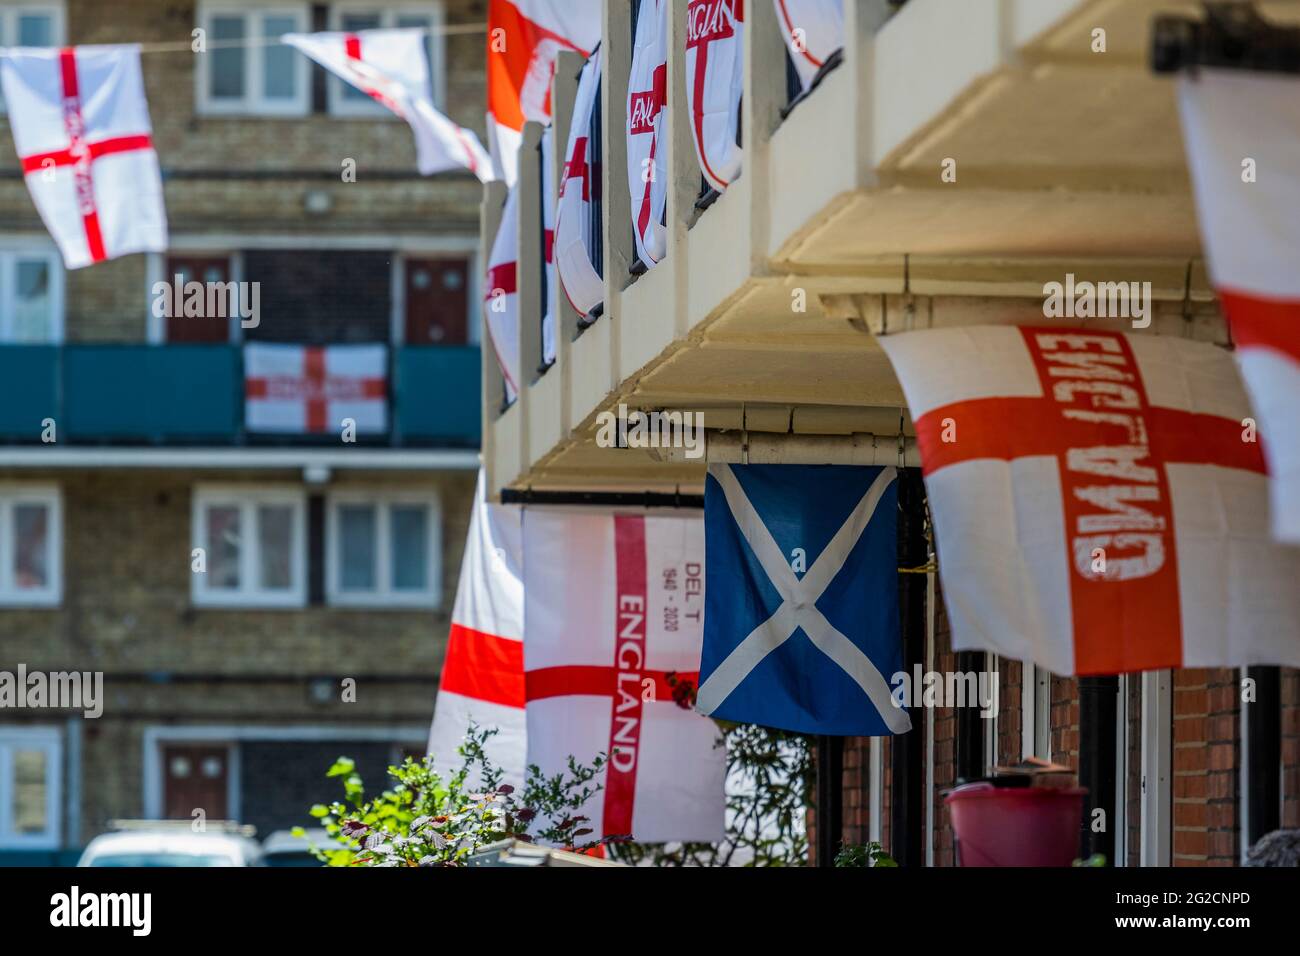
246,70
253,542
384,549
31,296
31,535
344,98
30,773
31,24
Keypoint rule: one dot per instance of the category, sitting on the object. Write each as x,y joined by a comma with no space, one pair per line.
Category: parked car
285,848
173,843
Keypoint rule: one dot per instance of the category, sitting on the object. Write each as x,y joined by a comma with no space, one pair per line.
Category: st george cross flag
576,227
715,80
548,242
613,613
1098,506
81,127
391,66
647,124
483,672
1250,227
312,389
813,29
801,627
501,294
523,39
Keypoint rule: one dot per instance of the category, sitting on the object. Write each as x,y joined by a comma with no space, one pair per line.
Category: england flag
81,127
813,30
392,68
715,80
483,672
613,613
1242,132
647,124
801,625
1099,505
315,390
576,228
501,295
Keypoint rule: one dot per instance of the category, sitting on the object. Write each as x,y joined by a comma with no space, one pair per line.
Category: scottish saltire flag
801,598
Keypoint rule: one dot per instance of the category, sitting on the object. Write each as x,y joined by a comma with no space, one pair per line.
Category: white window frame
50,496
11,250
384,595
388,14
248,498
253,103
57,9
1157,768
50,741
1035,711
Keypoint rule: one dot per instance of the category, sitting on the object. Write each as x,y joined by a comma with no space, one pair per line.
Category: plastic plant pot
1015,826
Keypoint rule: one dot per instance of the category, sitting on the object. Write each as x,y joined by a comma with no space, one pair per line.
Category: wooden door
437,301
196,777
207,328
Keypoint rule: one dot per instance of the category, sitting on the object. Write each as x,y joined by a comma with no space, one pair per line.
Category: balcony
192,395
959,157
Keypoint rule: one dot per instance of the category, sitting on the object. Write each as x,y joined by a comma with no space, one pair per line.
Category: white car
158,843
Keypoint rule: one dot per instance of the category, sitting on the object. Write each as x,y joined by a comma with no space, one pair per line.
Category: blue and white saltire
801,598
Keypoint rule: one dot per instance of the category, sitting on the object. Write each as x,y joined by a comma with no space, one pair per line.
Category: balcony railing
193,395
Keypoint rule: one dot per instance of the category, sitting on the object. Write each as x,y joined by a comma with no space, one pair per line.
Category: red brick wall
1290,747
1206,755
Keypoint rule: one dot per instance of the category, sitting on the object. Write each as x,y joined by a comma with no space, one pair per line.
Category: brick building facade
224,692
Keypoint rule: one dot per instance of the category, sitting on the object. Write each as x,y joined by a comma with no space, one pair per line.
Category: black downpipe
970,726
906,752
1264,759
1098,698
830,798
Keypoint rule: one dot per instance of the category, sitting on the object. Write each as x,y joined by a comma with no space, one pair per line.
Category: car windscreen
160,859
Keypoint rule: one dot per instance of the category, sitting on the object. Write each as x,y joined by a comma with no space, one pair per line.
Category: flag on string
1098,506
715,80
647,152
312,389
1242,132
813,30
483,672
80,124
576,225
613,613
501,294
523,39
801,625
391,66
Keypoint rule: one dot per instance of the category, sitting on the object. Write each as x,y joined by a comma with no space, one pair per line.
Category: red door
204,328
195,777
437,301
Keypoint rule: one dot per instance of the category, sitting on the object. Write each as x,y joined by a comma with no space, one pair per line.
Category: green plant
426,820
863,854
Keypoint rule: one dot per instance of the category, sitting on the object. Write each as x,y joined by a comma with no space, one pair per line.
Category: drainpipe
1097,760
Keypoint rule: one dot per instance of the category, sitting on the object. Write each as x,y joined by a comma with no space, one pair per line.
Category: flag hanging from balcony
549,202
647,148
392,68
577,227
814,30
715,80
315,390
523,39
501,294
613,615
1242,132
801,626
1098,506
81,126
483,672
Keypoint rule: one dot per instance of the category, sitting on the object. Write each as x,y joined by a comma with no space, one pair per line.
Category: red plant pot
1015,826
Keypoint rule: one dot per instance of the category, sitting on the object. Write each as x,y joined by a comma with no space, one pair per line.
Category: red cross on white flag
613,621
715,80
391,67
576,231
647,156
81,127
302,389
813,30
1098,505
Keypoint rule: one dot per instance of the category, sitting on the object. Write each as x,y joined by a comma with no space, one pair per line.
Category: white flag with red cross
501,294
613,621
483,672
524,37
1242,132
81,126
813,30
715,80
576,228
313,390
391,67
1098,506
647,122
